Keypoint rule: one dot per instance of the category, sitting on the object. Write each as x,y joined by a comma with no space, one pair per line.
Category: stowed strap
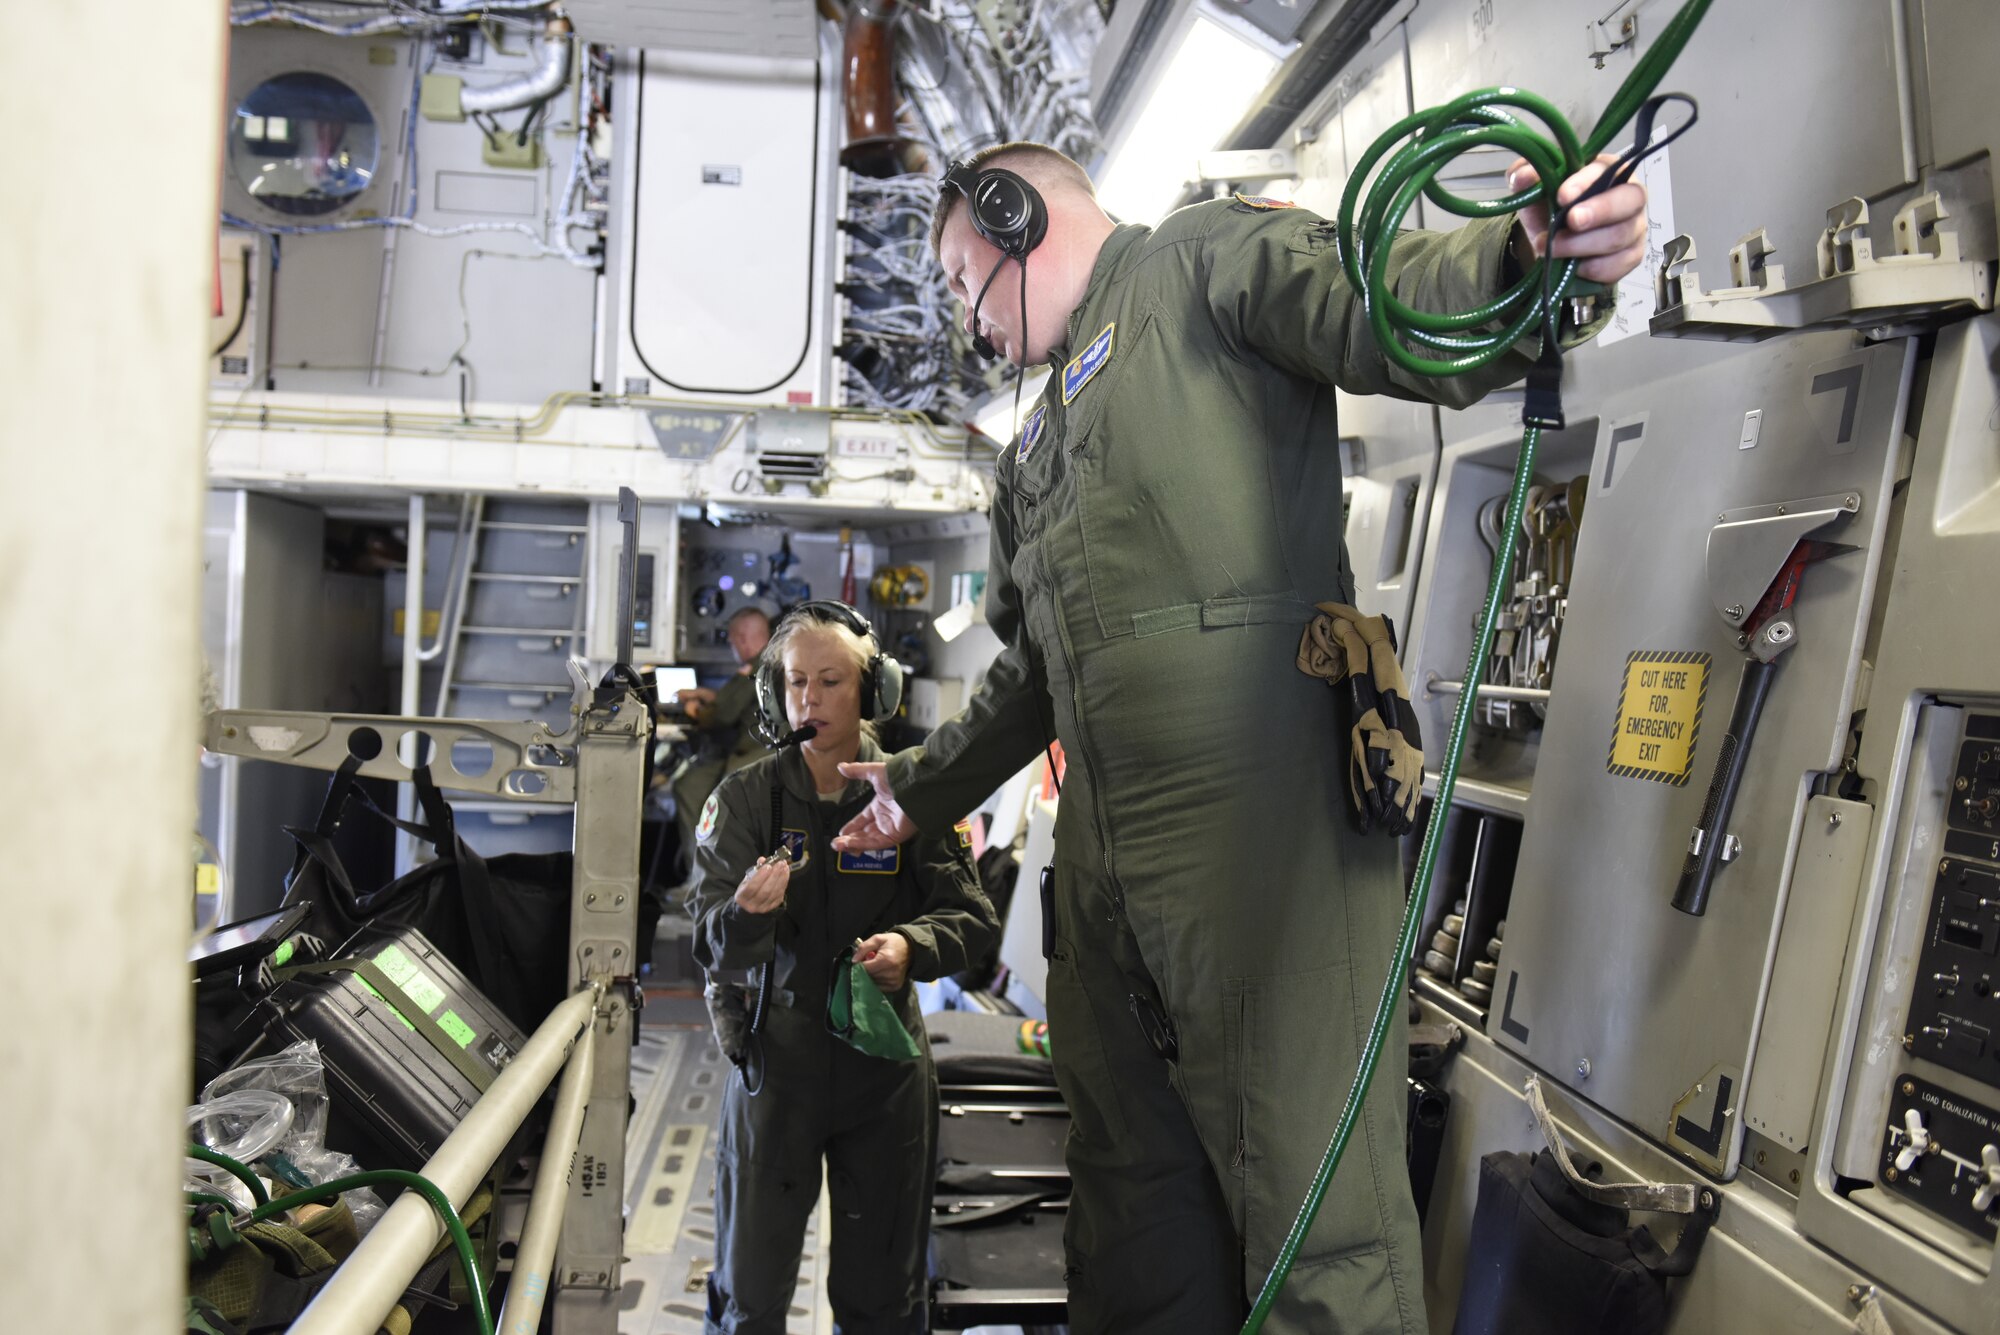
1660,1198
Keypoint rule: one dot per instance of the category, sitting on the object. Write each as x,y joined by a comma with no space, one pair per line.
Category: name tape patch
1031,434
1088,363
883,862
1659,716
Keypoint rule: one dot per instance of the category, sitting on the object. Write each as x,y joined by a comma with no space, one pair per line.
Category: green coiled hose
1456,344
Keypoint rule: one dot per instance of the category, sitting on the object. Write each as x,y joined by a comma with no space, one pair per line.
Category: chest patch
708,814
964,832
1031,435
1088,363
1264,202
794,844
885,862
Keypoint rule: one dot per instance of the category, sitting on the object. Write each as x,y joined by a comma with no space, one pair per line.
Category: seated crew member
774,897
724,713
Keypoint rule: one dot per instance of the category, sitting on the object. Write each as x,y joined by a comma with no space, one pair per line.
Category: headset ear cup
770,703
1008,212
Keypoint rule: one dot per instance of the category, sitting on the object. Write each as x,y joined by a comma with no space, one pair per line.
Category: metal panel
1756,1272
1819,908
480,314
723,235
1935,644
780,28
1757,70
1682,1000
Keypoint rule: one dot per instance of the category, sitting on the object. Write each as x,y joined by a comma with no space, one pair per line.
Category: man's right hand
881,823
694,699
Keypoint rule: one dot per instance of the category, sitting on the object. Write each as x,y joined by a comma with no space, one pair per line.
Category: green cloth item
857,1011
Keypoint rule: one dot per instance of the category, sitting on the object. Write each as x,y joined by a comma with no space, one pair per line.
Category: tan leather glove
1386,758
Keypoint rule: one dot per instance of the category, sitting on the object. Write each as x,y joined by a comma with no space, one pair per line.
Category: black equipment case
408,1042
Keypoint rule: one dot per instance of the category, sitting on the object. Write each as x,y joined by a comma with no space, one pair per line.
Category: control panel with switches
1943,1152
1954,1015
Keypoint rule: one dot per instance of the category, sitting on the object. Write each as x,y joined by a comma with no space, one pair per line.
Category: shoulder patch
1031,434
1088,363
1264,202
708,815
964,832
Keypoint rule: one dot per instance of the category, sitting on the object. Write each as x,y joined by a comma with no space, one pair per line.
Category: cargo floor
677,1080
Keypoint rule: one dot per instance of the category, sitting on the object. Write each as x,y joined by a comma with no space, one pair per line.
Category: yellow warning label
432,619
1659,715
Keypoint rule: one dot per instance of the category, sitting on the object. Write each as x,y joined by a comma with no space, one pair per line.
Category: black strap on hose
1542,407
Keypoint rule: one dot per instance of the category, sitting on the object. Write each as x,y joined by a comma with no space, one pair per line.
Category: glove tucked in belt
1386,774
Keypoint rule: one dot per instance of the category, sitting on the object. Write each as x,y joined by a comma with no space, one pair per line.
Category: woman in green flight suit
774,898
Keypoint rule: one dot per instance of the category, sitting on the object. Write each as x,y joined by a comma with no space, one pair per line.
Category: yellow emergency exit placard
1659,715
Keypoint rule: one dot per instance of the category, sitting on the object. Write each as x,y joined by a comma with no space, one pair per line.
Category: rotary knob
1989,1179
1917,1141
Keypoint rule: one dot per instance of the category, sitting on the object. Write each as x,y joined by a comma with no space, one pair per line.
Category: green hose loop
1468,342
461,1241
239,1171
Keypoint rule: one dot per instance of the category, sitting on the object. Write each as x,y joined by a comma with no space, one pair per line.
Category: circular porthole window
303,144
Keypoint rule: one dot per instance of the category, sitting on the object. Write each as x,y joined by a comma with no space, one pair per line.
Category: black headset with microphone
881,675
1011,216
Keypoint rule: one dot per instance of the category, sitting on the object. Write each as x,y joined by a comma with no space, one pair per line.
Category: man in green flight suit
726,711
1161,529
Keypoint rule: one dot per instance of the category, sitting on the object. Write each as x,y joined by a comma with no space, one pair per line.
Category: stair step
524,687
515,526
525,632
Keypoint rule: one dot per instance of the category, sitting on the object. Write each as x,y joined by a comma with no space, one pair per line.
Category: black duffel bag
1554,1250
504,922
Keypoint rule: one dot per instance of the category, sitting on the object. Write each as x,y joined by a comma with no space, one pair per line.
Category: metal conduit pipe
303,18
528,1288
361,1293
539,84
1435,684
867,58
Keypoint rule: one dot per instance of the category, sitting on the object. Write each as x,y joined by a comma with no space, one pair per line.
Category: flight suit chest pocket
865,891
1090,380
1037,462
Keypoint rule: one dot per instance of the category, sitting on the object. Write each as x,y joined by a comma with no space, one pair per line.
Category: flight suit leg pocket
1297,1053
1083,1062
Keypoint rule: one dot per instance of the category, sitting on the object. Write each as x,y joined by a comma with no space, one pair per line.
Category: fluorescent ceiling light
996,417
1206,88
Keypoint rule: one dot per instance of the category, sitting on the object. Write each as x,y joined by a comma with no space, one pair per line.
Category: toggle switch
1917,1141
1989,1184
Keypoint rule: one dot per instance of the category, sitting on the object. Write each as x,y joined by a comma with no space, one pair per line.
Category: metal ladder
517,610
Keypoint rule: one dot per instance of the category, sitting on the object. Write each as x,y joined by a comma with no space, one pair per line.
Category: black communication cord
242,308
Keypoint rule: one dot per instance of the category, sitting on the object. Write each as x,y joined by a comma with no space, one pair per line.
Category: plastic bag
297,1152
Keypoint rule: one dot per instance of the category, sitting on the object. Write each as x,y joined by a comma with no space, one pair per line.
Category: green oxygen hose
1467,341
241,1172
